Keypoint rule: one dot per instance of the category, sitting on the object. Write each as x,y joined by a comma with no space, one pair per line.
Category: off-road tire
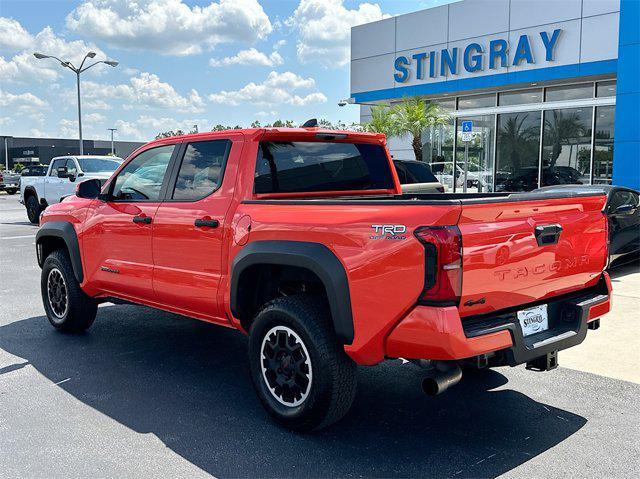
333,382
80,310
33,209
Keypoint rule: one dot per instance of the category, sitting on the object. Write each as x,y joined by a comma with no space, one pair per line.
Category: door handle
142,219
208,223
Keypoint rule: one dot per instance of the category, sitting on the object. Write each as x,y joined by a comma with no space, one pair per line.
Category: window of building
569,92
603,152
518,146
606,88
566,146
476,174
141,179
437,146
286,167
520,97
476,101
201,169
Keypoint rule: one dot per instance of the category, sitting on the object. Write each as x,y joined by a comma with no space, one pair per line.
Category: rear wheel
68,308
33,209
300,371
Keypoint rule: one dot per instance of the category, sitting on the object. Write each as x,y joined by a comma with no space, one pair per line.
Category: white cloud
145,128
249,57
23,67
265,114
13,36
11,100
147,91
278,88
324,29
169,26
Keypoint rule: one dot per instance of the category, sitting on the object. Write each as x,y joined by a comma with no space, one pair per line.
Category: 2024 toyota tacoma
302,239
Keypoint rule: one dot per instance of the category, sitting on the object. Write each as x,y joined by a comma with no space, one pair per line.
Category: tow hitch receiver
544,363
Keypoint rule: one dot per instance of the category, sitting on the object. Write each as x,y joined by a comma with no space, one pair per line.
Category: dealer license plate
533,320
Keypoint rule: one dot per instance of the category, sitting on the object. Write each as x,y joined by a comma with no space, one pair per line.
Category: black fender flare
65,231
315,257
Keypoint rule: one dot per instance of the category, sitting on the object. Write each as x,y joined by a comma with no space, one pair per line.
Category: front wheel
68,308
33,209
11,191
300,371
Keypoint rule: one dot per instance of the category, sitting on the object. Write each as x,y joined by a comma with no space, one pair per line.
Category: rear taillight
442,265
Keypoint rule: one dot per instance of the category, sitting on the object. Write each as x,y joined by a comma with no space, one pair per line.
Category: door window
623,197
57,164
71,167
201,170
141,179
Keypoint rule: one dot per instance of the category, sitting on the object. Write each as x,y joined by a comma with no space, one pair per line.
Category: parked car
60,180
623,213
527,178
416,177
34,170
9,182
302,239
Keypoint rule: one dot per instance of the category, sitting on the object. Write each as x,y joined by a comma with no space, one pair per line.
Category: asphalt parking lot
145,393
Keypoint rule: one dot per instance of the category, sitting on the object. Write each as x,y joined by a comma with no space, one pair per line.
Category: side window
141,179
402,172
72,169
622,197
57,164
201,169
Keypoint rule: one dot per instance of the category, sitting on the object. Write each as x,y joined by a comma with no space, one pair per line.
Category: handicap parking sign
467,126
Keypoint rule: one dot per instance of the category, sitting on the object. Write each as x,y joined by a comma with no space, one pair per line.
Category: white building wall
589,34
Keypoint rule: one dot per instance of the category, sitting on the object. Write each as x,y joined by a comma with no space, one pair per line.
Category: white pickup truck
63,175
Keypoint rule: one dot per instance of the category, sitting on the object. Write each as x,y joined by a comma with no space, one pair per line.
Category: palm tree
382,121
413,116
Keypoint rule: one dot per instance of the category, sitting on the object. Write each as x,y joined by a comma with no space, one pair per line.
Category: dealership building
34,151
547,91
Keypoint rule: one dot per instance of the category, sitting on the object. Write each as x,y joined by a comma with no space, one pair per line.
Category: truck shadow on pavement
187,382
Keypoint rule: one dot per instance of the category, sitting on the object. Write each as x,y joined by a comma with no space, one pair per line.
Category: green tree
410,117
18,167
382,121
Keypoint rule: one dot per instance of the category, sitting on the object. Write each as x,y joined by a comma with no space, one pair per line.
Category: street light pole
113,152
78,71
6,153
79,114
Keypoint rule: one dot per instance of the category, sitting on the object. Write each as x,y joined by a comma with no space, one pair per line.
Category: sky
182,63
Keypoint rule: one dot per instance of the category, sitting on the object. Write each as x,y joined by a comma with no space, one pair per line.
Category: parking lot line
16,237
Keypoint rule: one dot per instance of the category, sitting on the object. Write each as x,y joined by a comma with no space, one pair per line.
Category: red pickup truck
302,239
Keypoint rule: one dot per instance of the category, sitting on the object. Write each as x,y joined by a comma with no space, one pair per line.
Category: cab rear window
298,167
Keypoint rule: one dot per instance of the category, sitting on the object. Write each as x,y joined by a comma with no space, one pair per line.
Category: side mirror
89,189
62,172
624,210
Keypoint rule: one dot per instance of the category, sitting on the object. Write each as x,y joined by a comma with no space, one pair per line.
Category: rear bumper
439,333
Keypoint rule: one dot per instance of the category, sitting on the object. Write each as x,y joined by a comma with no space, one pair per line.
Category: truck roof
274,133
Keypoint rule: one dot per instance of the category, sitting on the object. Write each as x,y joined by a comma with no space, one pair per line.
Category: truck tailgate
518,252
